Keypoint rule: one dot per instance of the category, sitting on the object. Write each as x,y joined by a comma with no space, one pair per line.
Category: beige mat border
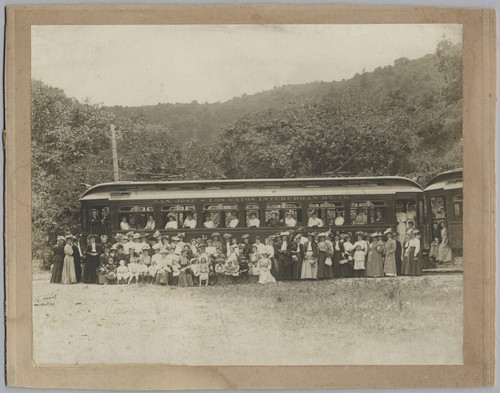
479,206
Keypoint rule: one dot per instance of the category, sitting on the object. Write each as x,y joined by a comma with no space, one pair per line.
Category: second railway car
444,200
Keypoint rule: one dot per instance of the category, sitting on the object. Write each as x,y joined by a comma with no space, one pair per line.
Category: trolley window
252,215
283,214
368,212
136,216
458,206
331,213
178,216
220,216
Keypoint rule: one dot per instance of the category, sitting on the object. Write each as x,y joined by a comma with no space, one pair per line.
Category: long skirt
345,270
57,269
161,277
286,267
68,272
336,257
390,265
434,250
374,265
415,263
297,267
324,271
309,267
405,266
275,268
444,253
90,269
266,277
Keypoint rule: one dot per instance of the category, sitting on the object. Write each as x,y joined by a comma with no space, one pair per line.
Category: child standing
359,261
204,270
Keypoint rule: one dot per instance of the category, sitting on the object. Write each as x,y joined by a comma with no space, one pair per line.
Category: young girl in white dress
264,266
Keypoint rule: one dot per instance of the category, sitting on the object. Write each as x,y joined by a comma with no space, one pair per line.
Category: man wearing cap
274,221
253,221
190,221
233,221
289,220
314,220
94,223
209,222
171,222
124,225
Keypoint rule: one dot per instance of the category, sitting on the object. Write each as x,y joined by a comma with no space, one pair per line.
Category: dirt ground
404,320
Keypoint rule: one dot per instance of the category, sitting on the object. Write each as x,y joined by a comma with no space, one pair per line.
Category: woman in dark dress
91,261
338,250
78,259
58,258
285,261
297,257
324,251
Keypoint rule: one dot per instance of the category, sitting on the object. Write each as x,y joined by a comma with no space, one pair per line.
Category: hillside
207,120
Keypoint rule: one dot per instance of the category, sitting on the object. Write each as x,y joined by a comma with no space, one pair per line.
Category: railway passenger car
344,204
444,198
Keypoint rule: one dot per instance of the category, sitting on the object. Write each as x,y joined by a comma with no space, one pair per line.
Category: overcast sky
145,65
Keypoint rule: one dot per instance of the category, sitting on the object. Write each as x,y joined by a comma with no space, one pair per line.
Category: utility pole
116,174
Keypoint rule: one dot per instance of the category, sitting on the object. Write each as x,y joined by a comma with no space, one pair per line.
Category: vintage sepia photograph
247,195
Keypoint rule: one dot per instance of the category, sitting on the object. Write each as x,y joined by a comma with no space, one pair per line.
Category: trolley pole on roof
116,174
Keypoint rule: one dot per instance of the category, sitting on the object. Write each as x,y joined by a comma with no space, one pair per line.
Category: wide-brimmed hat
245,236
175,238
387,231
215,234
274,212
113,248
415,231
376,234
62,238
164,250
156,246
67,237
286,233
136,236
227,236
181,234
359,233
118,236
92,236
146,247
128,234
157,234
323,234
204,237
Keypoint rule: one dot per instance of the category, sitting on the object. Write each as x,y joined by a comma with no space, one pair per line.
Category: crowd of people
139,257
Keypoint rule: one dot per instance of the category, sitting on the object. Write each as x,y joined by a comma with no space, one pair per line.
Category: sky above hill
146,65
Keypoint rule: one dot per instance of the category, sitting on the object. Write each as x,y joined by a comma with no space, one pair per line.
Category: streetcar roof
251,188
448,180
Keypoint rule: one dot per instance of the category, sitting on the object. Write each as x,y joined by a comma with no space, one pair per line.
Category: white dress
401,220
264,267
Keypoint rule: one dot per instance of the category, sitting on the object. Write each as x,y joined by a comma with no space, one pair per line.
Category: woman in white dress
68,272
264,267
401,219
310,263
444,250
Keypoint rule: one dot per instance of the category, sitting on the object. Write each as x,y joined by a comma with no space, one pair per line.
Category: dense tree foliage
404,119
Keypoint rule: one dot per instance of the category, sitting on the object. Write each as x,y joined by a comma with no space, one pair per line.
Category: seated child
219,270
359,261
111,271
134,269
156,262
204,270
253,265
122,273
264,266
